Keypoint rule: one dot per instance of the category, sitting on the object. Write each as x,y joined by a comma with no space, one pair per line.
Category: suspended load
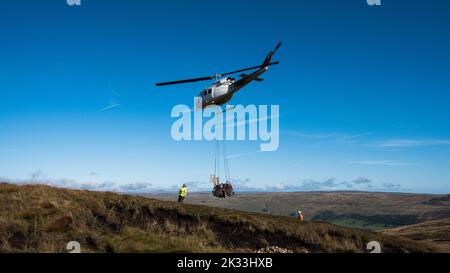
221,190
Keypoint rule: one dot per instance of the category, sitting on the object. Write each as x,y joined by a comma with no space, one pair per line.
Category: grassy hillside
436,232
37,218
368,210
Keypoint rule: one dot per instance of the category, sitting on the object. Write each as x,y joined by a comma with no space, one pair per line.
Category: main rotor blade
245,69
212,77
186,81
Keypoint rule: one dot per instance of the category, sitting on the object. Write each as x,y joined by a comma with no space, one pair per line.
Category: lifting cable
224,188
217,158
225,163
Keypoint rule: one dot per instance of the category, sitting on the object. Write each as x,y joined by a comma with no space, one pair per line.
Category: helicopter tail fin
270,55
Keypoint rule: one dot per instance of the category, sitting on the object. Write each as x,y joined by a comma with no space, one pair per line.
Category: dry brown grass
436,232
36,218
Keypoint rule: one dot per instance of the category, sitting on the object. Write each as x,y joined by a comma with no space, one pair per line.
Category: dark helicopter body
222,91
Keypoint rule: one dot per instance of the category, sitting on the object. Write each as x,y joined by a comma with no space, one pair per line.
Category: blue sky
364,92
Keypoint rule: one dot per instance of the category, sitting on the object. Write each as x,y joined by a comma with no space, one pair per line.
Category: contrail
109,107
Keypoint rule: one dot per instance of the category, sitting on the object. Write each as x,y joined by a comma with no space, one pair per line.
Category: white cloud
136,187
39,174
240,185
330,136
329,184
388,143
362,180
63,183
390,187
379,162
399,143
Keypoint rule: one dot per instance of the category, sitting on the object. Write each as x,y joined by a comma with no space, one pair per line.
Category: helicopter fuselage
221,91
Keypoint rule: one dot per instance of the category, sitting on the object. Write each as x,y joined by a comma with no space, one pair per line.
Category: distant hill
439,201
36,218
367,210
436,232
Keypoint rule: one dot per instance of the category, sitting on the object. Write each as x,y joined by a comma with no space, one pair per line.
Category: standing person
300,216
182,193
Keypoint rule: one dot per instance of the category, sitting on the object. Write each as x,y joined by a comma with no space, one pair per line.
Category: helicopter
223,88
220,92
